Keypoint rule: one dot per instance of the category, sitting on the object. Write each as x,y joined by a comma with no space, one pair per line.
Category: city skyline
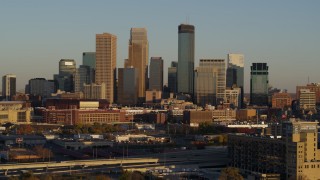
36,35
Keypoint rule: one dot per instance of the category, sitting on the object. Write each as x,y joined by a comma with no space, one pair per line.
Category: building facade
281,100
235,74
210,82
15,112
259,84
65,79
84,75
293,155
9,86
313,87
89,59
128,86
94,91
138,58
186,46
172,77
40,87
106,61
156,74
307,99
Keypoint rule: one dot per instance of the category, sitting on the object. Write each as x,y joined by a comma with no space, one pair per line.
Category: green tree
230,173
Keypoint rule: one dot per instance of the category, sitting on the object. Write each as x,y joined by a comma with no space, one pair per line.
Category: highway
183,160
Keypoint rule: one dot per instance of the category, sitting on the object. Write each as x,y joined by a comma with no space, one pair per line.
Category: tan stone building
106,60
15,112
138,58
294,155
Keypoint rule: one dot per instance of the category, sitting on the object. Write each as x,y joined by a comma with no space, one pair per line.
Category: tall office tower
89,59
138,58
185,58
172,77
210,82
106,59
83,76
40,87
156,73
235,73
64,80
259,82
67,67
8,86
128,81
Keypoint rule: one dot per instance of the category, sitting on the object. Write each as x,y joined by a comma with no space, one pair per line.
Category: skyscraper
128,79
235,73
210,81
185,58
65,79
84,75
89,59
8,86
138,58
259,83
236,66
106,59
156,73
172,77
40,87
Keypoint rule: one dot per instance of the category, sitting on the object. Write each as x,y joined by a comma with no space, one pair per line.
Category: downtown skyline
36,35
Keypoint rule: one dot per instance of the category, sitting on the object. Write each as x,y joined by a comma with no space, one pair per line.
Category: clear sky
36,34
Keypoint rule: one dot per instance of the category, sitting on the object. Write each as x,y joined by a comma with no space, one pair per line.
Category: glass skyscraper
235,73
259,83
172,77
156,73
185,58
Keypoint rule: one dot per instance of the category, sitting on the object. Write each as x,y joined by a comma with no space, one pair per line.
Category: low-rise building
15,112
294,155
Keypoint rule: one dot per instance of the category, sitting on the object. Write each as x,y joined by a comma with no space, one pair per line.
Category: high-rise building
67,67
106,59
65,79
259,83
210,81
8,86
128,81
172,77
156,73
89,59
84,75
186,47
235,73
138,58
40,87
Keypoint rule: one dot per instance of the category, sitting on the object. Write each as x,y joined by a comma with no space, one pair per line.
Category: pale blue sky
36,34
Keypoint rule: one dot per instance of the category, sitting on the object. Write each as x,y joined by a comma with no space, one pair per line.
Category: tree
230,173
